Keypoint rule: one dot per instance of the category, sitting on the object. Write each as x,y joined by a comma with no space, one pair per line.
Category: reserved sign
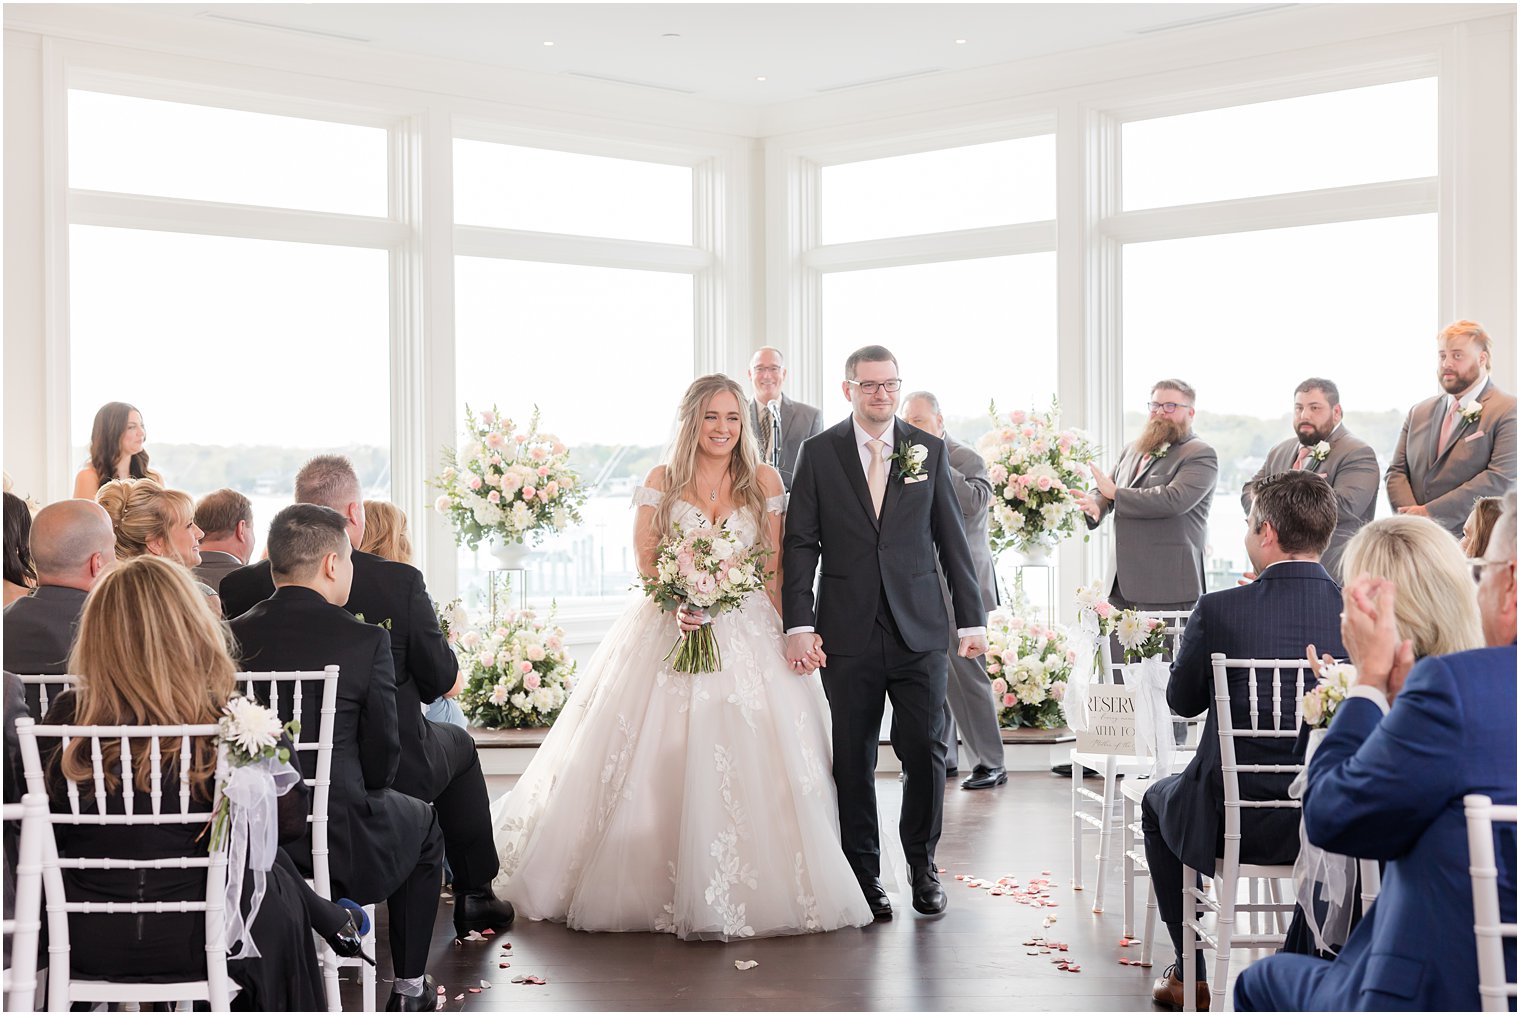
1110,721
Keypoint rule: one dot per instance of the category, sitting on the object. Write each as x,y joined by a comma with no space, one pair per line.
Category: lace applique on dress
776,505
644,496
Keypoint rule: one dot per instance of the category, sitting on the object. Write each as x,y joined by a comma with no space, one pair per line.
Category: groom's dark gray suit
880,612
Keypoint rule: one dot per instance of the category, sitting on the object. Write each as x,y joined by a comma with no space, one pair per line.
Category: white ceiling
801,50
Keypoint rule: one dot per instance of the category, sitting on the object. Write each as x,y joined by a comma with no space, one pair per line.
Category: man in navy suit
1387,784
1293,603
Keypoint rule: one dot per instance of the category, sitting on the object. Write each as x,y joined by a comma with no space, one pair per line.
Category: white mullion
214,218
1073,351
558,248
58,396
1276,211
408,360
959,245
1103,295
708,230
803,309
441,418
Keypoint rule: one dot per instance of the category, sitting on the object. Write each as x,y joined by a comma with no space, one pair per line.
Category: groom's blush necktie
876,474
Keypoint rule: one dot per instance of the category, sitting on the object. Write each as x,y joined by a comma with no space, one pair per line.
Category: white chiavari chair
1494,986
47,687
1279,684
25,924
212,984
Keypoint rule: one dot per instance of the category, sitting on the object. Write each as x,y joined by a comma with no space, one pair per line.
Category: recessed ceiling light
760,78
960,42
548,43
671,35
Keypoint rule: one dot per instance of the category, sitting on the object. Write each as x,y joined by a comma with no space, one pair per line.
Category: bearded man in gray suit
768,407
970,712
1323,445
1460,445
1159,495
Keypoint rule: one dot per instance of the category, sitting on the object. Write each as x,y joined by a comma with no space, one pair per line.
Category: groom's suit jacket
1351,469
799,421
830,518
1478,462
1161,521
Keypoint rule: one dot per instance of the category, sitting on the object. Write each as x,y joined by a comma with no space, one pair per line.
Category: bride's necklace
712,492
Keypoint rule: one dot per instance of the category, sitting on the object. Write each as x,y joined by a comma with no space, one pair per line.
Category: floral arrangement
251,733
1035,469
517,672
1140,634
704,568
506,485
1028,665
1319,703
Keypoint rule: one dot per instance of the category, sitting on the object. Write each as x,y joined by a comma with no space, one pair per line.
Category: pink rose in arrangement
1071,656
528,492
1105,608
488,418
559,448
488,659
510,482
475,483
538,454
543,470
525,667
1000,687
1058,692
520,438
1009,657
551,489
704,584
532,681
496,441
1017,416
1010,700
1026,431
997,475
554,643
494,497
1044,483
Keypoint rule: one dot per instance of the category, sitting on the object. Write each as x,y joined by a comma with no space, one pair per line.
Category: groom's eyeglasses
871,387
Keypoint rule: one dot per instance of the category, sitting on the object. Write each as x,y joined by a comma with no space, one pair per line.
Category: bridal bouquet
704,568
1028,666
506,485
1036,469
1320,702
517,672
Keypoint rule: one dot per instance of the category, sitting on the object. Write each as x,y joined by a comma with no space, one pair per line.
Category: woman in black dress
149,652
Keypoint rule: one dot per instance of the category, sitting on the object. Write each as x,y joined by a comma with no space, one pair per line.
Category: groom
872,497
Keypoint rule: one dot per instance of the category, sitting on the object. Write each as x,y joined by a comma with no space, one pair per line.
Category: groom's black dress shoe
479,910
425,1001
928,896
876,898
984,777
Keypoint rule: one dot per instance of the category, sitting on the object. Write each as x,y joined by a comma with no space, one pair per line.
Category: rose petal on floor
489,931
486,984
742,964
459,997
442,990
473,990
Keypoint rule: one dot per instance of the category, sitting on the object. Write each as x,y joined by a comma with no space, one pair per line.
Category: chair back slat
1494,988
25,926
156,776
48,686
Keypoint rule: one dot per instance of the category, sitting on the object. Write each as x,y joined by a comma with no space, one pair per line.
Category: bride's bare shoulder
656,478
770,480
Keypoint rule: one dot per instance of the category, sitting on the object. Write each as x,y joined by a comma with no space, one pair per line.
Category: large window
602,352
245,355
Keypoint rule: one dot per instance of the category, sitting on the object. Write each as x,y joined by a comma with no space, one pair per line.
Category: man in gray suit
1159,495
968,695
1460,445
1324,445
768,407
72,546
226,518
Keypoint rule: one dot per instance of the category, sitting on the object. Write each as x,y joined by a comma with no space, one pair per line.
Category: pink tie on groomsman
1303,456
1448,425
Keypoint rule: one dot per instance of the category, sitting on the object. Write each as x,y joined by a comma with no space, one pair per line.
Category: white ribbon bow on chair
1085,642
252,792
1153,717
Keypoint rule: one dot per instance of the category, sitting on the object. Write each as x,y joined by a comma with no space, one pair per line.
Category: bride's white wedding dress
695,804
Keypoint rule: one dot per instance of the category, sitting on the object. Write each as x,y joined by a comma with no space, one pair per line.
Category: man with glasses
873,502
1323,445
771,414
1459,445
1159,495
1408,743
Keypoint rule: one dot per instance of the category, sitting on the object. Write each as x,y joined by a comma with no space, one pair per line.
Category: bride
694,804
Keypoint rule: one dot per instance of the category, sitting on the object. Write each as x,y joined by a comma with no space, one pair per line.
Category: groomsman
1323,445
226,518
968,695
1159,495
1460,445
767,373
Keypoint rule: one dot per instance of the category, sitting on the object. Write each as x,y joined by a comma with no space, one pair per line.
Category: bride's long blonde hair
681,461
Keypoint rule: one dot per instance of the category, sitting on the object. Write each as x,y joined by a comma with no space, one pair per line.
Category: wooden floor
972,958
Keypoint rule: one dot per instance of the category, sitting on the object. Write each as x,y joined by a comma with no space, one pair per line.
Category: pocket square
913,479
1472,437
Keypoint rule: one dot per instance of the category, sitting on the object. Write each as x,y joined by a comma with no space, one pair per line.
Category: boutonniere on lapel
910,460
1320,451
1161,451
1470,410
386,623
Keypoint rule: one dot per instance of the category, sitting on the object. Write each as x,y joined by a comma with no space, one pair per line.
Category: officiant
780,424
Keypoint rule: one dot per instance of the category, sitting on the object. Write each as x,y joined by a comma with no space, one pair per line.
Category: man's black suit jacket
830,517
392,595
1292,605
369,824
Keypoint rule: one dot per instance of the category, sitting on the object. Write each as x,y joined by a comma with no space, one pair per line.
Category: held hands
972,646
804,652
1371,638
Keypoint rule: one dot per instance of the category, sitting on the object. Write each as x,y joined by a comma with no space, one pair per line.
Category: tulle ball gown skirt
694,804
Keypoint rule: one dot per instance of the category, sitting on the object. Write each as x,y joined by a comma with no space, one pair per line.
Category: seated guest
73,546
20,574
1292,604
385,535
225,518
116,450
1387,784
1480,522
383,844
149,519
149,653
438,762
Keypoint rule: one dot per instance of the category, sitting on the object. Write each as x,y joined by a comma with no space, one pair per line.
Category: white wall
25,382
